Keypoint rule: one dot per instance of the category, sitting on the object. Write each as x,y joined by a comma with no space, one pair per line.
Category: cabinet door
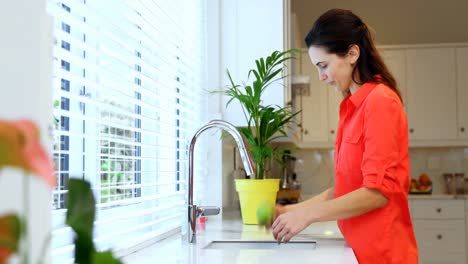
462,92
438,209
396,62
431,93
440,241
314,106
334,99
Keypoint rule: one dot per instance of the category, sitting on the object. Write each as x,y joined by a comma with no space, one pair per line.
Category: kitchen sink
261,245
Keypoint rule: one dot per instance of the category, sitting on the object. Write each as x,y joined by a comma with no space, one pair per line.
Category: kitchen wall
315,168
395,22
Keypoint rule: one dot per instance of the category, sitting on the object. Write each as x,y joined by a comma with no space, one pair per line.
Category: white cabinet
319,116
334,99
438,209
439,225
462,92
431,93
466,221
249,30
440,241
395,59
433,82
313,118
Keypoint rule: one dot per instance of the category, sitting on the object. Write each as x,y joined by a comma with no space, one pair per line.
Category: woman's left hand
289,224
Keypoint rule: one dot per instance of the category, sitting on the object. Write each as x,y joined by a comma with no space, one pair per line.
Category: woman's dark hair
336,31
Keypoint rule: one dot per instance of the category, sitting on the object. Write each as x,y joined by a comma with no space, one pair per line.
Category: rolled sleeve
381,147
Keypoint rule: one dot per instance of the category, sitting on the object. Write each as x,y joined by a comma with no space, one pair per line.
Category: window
129,93
66,27
65,45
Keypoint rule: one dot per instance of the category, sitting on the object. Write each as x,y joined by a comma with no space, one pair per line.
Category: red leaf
20,147
10,232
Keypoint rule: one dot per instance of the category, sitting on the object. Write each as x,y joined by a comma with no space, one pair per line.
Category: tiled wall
436,161
315,167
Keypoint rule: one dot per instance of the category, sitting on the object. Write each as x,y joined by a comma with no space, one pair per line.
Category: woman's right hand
279,210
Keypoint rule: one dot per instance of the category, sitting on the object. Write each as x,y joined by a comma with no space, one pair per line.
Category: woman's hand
288,224
279,210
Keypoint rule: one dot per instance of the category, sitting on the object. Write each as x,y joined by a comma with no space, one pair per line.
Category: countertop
330,247
437,196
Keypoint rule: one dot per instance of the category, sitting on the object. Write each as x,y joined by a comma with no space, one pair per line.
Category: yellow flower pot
253,193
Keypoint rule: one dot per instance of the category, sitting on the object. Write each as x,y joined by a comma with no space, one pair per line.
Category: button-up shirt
372,151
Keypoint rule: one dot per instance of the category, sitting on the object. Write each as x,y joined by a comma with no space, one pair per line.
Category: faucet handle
207,210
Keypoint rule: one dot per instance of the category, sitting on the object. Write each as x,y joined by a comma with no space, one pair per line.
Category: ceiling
396,21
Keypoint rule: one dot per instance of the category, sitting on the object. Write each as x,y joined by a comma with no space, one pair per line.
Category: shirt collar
358,97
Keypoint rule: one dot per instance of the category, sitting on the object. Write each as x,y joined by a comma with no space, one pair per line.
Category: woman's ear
353,54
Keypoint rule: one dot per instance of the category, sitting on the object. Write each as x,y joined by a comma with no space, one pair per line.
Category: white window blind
129,93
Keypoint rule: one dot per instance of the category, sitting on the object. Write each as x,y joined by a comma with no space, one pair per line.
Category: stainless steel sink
261,244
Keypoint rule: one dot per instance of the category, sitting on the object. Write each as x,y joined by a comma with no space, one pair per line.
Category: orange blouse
372,151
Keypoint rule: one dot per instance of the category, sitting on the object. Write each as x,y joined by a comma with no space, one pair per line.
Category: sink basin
261,245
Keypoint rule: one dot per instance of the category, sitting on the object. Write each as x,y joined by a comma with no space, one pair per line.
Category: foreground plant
20,148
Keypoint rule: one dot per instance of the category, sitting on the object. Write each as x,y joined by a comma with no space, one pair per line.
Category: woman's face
333,69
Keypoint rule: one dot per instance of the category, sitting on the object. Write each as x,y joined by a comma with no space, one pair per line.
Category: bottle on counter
449,183
295,184
459,183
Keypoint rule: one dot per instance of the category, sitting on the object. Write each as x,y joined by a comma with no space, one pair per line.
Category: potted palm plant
265,123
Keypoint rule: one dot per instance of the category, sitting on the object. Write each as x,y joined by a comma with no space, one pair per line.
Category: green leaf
271,76
80,217
248,90
260,69
84,248
257,76
10,232
105,257
81,206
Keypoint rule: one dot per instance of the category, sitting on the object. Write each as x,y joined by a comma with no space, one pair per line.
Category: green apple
265,214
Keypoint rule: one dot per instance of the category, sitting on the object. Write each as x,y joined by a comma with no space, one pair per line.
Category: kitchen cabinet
395,59
462,92
313,118
434,86
431,93
439,225
466,226
319,117
249,30
334,99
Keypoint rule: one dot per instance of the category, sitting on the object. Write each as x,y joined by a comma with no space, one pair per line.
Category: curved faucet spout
245,157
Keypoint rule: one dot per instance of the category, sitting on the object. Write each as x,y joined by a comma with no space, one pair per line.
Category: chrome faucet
195,211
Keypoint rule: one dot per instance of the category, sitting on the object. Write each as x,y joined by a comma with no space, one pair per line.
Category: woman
369,198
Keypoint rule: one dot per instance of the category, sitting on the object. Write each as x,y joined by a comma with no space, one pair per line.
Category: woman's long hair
336,31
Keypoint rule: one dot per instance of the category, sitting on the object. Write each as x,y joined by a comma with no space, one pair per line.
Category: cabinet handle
332,131
411,130
439,236
439,210
462,129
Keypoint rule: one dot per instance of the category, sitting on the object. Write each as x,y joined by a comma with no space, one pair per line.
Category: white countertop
330,247
437,196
